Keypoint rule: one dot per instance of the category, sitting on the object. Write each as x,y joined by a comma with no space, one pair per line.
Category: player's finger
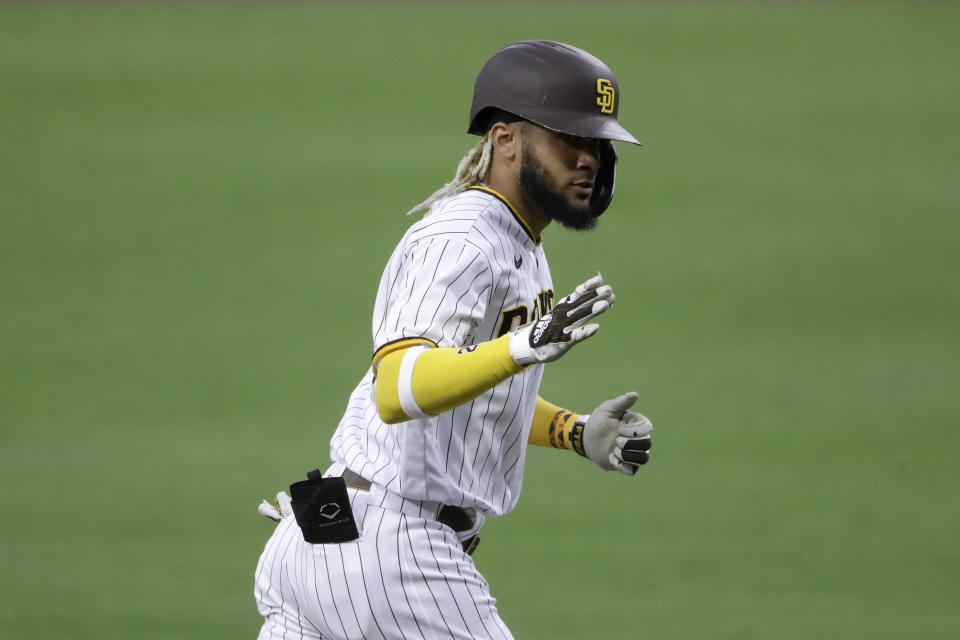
605,292
632,455
588,288
635,425
621,466
582,333
283,504
635,457
634,444
585,314
639,458
583,304
588,299
592,283
268,510
617,406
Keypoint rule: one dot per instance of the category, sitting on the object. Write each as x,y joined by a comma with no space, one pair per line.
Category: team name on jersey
510,319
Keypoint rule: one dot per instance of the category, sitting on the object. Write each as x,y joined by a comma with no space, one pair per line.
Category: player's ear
506,140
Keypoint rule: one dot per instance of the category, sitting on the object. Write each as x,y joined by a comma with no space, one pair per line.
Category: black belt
456,518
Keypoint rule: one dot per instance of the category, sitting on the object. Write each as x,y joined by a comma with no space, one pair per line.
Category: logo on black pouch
330,510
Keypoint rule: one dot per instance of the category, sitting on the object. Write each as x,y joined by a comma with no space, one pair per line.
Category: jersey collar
535,237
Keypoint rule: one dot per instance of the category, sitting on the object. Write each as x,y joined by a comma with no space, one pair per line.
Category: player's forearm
417,382
551,425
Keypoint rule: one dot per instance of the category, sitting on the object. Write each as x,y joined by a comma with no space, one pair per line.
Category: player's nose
588,160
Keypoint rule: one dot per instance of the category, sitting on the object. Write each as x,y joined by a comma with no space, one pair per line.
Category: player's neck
532,216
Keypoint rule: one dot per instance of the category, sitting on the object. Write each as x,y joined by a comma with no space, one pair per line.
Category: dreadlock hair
471,171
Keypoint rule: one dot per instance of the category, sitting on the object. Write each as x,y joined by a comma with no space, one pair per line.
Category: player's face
557,174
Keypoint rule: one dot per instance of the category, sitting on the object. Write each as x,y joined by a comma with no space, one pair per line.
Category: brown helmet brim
576,124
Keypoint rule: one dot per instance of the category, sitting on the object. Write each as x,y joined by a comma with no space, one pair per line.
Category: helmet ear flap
606,179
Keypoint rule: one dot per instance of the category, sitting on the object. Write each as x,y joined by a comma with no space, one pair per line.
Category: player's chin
580,202
577,214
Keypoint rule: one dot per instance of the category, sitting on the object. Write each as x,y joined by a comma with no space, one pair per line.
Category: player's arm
612,436
551,425
417,381
414,381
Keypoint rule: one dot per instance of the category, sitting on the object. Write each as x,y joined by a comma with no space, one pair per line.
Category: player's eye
571,139
591,144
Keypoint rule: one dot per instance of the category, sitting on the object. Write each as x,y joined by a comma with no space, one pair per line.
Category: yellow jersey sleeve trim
502,198
551,425
397,345
443,379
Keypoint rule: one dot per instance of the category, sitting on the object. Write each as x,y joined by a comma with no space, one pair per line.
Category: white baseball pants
405,577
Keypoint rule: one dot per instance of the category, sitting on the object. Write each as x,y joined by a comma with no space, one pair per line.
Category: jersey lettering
517,317
542,303
511,319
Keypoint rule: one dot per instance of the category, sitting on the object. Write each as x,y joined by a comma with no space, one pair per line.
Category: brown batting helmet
558,87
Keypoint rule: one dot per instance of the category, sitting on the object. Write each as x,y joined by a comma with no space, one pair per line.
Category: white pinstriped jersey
466,273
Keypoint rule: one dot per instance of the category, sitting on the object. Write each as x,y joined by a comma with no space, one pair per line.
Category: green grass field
195,207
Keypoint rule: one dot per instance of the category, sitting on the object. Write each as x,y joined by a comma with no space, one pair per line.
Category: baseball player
435,435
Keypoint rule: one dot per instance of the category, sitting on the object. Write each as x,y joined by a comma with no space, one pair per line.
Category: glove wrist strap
576,435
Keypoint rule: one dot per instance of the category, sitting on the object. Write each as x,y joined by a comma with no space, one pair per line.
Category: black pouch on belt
322,509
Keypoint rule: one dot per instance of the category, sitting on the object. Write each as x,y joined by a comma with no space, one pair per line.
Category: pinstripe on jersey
406,577
453,280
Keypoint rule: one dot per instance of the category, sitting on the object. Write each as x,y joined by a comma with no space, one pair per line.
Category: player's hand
615,438
548,338
281,509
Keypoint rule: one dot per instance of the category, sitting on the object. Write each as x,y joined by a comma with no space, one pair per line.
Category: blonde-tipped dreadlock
470,172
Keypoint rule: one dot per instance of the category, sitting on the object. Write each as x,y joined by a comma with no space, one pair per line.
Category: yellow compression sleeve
441,379
551,425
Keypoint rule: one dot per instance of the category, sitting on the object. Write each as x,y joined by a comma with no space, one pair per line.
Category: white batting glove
613,437
554,334
281,509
